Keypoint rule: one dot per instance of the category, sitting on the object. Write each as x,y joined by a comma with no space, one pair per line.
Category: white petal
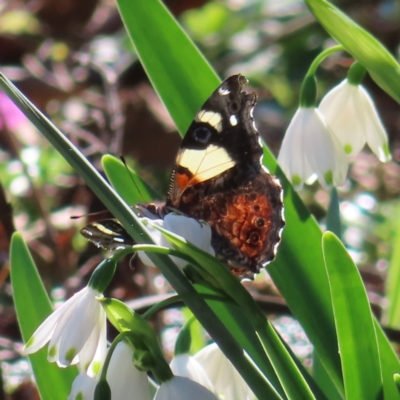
308,148
80,326
180,388
375,132
350,112
156,235
292,156
125,380
227,382
75,327
83,388
326,159
187,366
192,230
340,110
45,331
93,354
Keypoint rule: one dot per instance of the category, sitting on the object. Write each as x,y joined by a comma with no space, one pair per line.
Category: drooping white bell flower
125,380
227,382
83,388
351,115
187,366
181,388
192,230
76,332
309,151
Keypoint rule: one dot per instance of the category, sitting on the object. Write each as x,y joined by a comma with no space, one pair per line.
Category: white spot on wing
210,117
223,92
233,120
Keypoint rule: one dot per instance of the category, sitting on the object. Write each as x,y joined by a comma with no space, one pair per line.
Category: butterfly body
219,178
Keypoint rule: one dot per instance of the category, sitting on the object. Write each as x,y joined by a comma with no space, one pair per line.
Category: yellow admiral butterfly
219,178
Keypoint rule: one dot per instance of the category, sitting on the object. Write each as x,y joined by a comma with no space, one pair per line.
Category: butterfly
219,177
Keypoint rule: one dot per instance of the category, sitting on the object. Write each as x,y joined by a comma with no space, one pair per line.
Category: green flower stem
308,93
356,74
321,57
184,339
110,352
105,271
333,221
179,298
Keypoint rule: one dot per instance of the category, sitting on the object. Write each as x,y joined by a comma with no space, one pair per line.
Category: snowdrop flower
180,388
351,115
124,378
309,151
76,332
187,366
83,388
228,383
192,230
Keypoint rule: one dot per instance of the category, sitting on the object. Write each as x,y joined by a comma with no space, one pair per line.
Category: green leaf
167,54
389,363
355,326
33,307
381,65
393,284
134,192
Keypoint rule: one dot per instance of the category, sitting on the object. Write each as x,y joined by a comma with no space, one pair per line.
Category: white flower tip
30,346
67,358
383,153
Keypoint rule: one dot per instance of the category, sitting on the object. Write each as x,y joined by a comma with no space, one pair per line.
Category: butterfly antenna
122,158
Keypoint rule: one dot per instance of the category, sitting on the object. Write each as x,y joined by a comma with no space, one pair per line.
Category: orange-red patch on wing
182,180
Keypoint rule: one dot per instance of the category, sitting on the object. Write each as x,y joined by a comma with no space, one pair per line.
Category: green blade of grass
33,306
381,65
355,326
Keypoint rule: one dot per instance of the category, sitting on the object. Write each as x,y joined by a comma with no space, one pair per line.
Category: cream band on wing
205,164
210,117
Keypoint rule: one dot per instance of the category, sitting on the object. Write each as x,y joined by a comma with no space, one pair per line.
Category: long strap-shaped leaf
33,306
355,325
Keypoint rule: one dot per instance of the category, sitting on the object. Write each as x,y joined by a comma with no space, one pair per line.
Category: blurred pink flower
10,114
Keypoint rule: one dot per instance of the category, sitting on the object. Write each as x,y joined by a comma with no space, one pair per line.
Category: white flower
180,388
351,115
192,230
228,383
308,149
187,366
125,380
76,331
83,388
